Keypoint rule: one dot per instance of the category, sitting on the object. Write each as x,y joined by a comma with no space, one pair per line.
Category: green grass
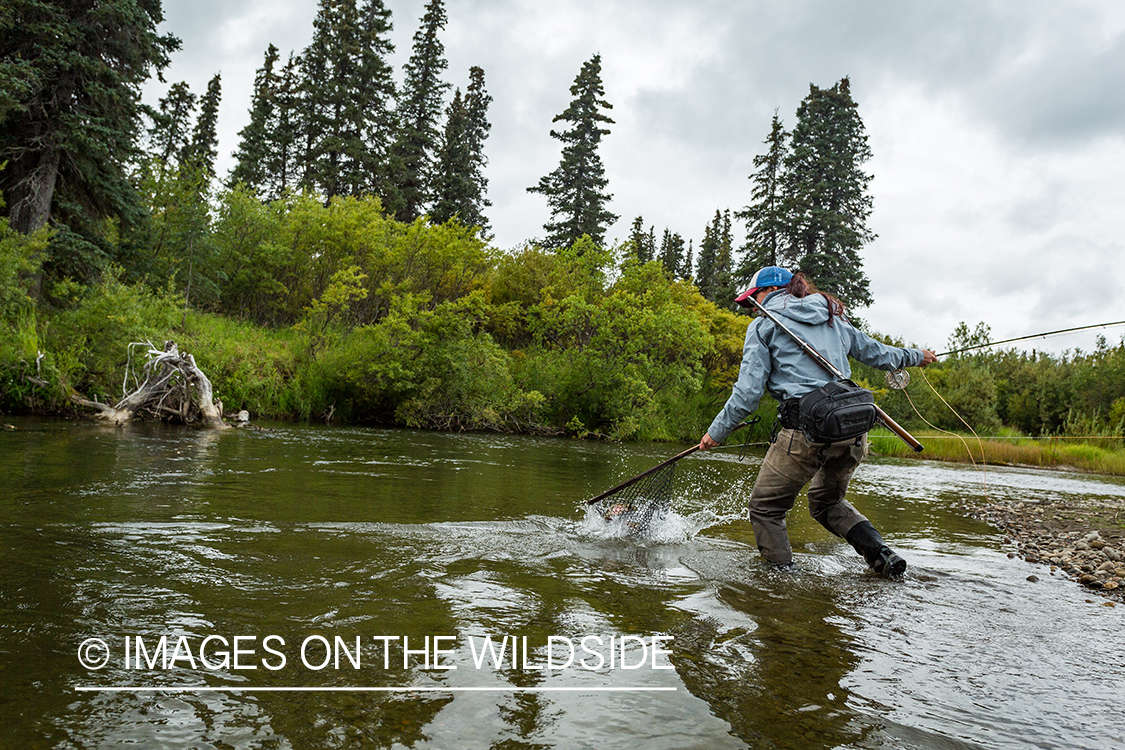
253,368
1104,456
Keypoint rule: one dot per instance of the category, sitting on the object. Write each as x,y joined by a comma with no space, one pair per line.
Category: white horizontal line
510,689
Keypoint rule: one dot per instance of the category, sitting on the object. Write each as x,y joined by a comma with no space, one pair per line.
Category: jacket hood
812,309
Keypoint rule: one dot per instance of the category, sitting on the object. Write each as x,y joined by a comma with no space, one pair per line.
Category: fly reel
897,379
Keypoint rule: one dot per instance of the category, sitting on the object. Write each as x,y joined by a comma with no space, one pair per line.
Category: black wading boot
878,555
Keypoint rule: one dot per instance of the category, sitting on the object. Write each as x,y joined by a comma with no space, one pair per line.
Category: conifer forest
344,269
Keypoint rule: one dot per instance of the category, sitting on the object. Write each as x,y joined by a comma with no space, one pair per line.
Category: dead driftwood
173,389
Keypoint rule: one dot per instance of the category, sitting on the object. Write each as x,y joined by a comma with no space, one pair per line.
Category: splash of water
666,526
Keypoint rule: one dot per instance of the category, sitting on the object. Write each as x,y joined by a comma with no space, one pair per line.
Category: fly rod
884,418
1032,336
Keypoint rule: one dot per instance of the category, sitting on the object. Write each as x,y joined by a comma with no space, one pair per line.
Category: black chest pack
836,411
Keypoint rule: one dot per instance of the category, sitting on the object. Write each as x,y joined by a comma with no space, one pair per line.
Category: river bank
1084,541
1101,455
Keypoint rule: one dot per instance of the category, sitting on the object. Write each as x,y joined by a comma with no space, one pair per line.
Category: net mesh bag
640,505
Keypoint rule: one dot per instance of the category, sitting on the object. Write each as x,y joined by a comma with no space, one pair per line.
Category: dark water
313,534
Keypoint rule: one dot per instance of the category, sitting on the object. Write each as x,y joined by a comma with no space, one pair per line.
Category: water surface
312,532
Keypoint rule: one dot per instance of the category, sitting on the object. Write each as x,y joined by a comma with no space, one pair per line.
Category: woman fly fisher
773,361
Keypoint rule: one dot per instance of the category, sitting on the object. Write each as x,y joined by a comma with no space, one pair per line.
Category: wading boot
878,555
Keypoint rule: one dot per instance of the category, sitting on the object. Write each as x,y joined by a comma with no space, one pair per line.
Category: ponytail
800,286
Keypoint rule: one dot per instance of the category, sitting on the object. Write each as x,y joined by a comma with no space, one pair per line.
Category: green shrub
97,331
21,259
426,368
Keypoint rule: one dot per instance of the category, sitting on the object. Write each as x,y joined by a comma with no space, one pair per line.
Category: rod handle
898,429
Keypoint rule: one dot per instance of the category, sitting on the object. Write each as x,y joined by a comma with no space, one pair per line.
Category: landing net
640,505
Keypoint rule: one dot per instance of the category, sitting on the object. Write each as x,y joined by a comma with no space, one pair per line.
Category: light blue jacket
772,361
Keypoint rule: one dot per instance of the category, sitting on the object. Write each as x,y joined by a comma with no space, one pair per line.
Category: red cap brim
742,298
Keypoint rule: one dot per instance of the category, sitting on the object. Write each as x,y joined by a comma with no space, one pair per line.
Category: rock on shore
1086,543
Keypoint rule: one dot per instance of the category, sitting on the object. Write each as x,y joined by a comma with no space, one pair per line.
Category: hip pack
836,411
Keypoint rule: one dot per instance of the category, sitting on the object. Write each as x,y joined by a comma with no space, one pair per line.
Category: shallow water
313,534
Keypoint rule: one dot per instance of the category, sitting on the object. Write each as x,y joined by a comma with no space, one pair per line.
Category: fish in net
638,506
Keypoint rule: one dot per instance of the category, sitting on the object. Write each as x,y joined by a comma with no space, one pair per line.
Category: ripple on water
962,652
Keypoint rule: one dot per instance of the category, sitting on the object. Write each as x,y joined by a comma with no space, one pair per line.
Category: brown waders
790,463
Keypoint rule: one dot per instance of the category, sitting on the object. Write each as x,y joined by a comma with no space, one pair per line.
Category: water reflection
309,531
788,684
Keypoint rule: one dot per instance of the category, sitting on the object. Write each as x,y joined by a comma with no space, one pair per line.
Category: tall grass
258,369
1101,455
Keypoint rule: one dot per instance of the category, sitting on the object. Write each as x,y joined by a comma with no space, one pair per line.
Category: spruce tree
176,183
452,179
419,111
252,156
376,94
167,181
285,157
575,191
203,147
477,128
345,90
825,193
672,255
765,217
642,245
708,258
328,74
459,180
315,107
723,281
70,76
171,124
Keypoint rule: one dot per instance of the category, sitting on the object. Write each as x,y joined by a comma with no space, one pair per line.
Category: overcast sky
997,128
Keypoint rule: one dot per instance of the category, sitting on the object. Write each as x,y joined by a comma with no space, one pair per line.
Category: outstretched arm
753,374
877,354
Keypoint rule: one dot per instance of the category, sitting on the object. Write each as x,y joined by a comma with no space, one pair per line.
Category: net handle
656,468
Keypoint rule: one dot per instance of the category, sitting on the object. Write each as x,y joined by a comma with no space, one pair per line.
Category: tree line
991,390
85,156
808,212
341,311
344,265
334,121
117,178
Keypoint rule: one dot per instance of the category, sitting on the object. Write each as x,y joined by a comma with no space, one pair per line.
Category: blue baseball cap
768,276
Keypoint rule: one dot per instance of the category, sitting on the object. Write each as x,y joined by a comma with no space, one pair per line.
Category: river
336,587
